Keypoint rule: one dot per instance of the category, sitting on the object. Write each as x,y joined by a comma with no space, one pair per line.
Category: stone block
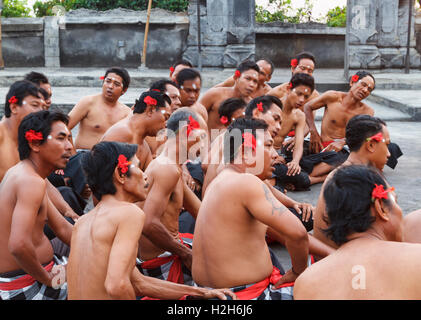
234,54
364,57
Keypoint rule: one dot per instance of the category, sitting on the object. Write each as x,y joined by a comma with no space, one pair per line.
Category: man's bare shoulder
367,109
88,100
278,91
120,132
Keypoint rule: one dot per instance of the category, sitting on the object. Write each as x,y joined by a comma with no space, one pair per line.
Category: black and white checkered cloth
18,288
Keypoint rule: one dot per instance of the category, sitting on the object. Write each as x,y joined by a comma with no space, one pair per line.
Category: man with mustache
150,113
26,254
95,114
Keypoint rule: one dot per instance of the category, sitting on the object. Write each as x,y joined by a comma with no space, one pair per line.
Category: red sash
327,143
256,290
291,133
23,281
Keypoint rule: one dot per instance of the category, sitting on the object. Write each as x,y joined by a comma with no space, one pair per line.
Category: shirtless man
22,99
366,150
304,62
411,227
105,241
190,83
177,67
230,248
149,115
265,74
41,81
246,82
167,195
25,251
366,224
99,112
170,88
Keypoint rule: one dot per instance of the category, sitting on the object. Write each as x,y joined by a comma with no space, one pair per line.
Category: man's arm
312,105
294,166
60,226
261,203
79,111
123,253
58,201
190,201
165,181
227,83
29,199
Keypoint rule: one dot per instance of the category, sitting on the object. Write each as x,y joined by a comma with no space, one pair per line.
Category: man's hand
220,294
289,144
315,142
188,179
335,146
293,168
305,209
289,276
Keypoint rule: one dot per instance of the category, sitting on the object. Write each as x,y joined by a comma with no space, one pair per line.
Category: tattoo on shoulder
278,209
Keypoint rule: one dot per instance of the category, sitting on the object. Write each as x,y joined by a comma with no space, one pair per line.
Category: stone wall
280,42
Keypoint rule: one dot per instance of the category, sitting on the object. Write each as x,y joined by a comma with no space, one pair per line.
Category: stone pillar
51,42
227,32
376,36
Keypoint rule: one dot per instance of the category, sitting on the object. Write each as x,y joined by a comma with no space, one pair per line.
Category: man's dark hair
302,79
305,55
182,62
123,73
40,121
36,78
234,132
161,98
348,201
362,74
266,101
361,127
20,90
161,85
272,65
187,74
229,106
248,65
180,115
99,165
44,93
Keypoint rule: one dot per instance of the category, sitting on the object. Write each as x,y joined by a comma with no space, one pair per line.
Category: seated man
177,67
190,83
230,248
95,114
162,249
265,74
42,82
411,227
304,62
340,107
367,138
246,81
28,266
365,222
150,113
105,241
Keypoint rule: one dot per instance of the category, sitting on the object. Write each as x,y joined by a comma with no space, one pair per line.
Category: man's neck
41,168
110,103
171,151
238,94
357,158
12,126
287,107
350,101
139,126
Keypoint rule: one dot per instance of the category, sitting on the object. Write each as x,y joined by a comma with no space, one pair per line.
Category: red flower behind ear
123,164
32,135
192,125
355,78
172,70
102,78
380,193
224,120
290,85
294,63
260,106
150,100
13,99
237,74
249,140
377,137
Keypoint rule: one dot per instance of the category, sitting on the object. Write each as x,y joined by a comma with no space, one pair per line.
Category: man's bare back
95,116
92,241
18,180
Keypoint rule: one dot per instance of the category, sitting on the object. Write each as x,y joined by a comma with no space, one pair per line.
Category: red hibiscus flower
123,164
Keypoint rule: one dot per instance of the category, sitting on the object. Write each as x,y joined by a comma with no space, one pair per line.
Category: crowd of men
179,195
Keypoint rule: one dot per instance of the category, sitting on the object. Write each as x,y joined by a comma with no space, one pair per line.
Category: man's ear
379,209
34,145
370,146
13,108
118,176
